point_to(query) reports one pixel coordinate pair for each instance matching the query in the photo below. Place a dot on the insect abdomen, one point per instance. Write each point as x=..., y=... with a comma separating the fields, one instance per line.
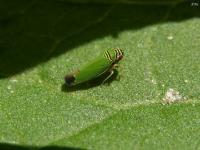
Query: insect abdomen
x=92, y=70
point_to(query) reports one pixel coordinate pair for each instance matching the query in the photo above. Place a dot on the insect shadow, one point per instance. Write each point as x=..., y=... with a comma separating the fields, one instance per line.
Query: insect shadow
x=92, y=83
x=7, y=146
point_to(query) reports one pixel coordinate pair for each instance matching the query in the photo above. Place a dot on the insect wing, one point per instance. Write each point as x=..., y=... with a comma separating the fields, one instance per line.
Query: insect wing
x=93, y=69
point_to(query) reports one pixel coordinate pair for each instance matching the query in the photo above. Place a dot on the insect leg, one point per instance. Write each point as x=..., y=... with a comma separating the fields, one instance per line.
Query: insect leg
x=120, y=68
x=111, y=73
x=115, y=66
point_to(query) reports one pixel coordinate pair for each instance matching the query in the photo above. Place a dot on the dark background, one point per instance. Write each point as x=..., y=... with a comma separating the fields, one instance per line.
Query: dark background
x=32, y=32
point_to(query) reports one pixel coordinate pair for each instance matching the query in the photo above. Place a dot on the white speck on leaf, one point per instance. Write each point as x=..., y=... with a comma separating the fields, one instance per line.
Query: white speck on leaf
x=172, y=96
x=153, y=81
x=140, y=45
x=40, y=81
x=9, y=87
x=170, y=37
x=11, y=91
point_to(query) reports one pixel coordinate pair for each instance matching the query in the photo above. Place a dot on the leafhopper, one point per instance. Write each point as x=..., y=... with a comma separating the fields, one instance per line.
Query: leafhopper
x=105, y=63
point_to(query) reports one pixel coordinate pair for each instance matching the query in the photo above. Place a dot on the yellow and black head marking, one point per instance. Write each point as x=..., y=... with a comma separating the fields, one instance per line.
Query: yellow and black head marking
x=108, y=56
x=118, y=54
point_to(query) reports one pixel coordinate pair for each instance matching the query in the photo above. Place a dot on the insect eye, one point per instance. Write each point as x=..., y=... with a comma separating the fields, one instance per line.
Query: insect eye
x=120, y=56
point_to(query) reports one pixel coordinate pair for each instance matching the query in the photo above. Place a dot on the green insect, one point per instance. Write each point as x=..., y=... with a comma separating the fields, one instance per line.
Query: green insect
x=104, y=63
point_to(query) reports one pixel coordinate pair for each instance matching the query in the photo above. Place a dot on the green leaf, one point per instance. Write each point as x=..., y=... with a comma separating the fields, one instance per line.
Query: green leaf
x=41, y=41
